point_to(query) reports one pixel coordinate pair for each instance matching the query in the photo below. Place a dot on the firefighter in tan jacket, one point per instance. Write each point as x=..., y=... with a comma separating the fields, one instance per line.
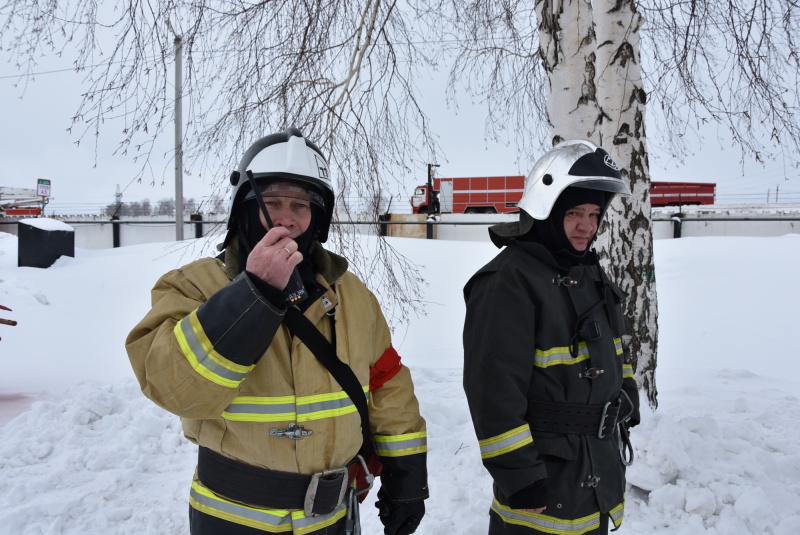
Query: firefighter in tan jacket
x=279, y=438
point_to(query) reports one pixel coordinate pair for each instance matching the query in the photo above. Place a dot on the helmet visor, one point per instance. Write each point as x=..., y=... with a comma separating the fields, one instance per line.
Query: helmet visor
x=288, y=189
x=612, y=185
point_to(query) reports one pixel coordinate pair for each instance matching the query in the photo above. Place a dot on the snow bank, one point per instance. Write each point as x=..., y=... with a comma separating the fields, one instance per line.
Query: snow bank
x=721, y=455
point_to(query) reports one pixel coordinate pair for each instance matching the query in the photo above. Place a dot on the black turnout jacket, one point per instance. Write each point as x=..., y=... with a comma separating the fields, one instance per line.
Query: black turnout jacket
x=536, y=331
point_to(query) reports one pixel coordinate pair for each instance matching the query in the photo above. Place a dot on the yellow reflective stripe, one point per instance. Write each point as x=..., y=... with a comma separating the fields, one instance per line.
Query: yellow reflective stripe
x=617, y=514
x=560, y=355
x=322, y=406
x=290, y=408
x=202, y=357
x=400, y=445
x=618, y=345
x=508, y=441
x=261, y=409
x=546, y=523
x=627, y=371
x=270, y=520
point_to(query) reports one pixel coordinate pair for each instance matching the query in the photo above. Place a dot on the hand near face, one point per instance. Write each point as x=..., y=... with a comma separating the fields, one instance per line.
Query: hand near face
x=274, y=258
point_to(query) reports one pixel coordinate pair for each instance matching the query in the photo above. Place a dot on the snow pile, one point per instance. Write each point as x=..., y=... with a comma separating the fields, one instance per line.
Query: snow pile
x=721, y=455
x=95, y=458
x=46, y=223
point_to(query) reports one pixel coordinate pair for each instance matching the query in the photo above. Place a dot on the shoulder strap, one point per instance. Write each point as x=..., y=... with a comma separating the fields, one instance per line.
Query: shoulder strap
x=325, y=352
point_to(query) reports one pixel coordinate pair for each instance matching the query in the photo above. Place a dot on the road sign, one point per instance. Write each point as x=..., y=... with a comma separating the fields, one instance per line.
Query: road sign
x=43, y=187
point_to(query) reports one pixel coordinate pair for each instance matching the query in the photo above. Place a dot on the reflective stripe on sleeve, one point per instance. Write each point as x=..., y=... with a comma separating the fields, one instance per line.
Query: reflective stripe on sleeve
x=561, y=355
x=269, y=520
x=400, y=445
x=200, y=352
x=508, y=441
x=547, y=523
x=290, y=408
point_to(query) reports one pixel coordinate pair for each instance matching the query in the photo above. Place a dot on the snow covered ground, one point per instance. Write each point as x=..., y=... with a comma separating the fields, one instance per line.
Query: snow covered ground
x=82, y=451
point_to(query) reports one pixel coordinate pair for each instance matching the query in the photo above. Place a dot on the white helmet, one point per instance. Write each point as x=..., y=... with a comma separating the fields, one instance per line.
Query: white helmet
x=577, y=163
x=288, y=157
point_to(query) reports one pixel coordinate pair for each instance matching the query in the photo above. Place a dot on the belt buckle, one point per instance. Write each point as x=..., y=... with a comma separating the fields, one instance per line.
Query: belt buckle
x=311, y=493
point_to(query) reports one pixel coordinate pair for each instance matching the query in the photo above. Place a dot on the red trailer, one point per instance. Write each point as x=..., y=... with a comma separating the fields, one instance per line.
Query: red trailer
x=470, y=195
x=501, y=194
x=682, y=193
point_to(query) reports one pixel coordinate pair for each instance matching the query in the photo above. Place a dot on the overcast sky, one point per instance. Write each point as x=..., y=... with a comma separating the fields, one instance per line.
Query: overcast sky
x=35, y=144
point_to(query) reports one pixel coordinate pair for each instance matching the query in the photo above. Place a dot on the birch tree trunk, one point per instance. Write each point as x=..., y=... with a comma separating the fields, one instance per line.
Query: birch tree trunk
x=567, y=48
x=590, y=52
x=626, y=239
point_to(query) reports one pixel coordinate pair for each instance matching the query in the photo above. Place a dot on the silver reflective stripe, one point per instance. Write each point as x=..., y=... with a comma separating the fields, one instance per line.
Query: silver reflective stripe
x=228, y=509
x=627, y=371
x=198, y=356
x=306, y=410
x=399, y=445
x=278, y=411
x=560, y=355
x=546, y=523
x=618, y=345
x=508, y=441
x=306, y=524
x=290, y=408
x=617, y=514
x=270, y=520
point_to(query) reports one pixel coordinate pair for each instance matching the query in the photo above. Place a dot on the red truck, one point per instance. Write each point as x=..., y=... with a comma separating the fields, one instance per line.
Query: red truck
x=500, y=194
x=470, y=195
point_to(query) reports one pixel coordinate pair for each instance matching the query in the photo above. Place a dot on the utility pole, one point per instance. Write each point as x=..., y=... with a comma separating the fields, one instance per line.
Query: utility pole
x=178, y=134
x=431, y=218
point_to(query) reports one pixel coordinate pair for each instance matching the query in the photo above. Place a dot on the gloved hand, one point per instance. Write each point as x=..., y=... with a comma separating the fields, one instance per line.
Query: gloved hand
x=531, y=498
x=399, y=518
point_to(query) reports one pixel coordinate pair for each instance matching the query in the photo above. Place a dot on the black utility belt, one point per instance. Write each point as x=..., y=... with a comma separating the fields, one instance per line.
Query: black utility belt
x=578, y=419
x=315, y=494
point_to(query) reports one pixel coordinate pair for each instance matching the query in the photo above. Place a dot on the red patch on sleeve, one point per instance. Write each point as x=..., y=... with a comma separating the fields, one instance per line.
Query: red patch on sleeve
x=384, y=369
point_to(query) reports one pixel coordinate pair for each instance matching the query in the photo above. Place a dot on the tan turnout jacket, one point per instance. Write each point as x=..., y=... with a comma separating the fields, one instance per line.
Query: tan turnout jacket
x=213, y=351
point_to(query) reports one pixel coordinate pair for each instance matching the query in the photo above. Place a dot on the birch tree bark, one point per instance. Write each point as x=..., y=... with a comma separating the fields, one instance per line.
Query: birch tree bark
x=567, y=48
x=626, y=239
x=590, y=51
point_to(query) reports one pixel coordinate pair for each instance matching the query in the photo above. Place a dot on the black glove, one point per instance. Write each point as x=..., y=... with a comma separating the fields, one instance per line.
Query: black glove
x=399, y=518
x=531, y=497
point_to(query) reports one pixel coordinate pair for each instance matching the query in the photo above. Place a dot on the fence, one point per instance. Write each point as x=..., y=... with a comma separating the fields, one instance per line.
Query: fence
x=96, y=233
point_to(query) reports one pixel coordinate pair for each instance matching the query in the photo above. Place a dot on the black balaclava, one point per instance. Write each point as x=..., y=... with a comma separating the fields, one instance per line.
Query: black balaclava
x=550, y=232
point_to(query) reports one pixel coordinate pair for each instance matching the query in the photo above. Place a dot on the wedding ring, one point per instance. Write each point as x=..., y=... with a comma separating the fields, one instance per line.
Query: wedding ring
x=287, y=251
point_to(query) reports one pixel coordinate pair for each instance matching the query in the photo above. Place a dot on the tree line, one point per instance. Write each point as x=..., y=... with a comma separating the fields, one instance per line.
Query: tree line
x=165, y=207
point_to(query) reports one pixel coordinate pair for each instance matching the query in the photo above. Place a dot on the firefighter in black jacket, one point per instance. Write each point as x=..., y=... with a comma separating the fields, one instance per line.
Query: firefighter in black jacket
x=549, y=382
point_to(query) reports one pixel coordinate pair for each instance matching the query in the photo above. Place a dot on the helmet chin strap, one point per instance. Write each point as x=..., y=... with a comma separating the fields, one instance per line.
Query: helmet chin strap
x=296, y=290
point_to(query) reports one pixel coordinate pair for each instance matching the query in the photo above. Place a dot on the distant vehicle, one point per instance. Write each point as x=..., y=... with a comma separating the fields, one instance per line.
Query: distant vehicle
x=470, y=195
x=682, y=193
x=19, y=202
x=501, y=195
